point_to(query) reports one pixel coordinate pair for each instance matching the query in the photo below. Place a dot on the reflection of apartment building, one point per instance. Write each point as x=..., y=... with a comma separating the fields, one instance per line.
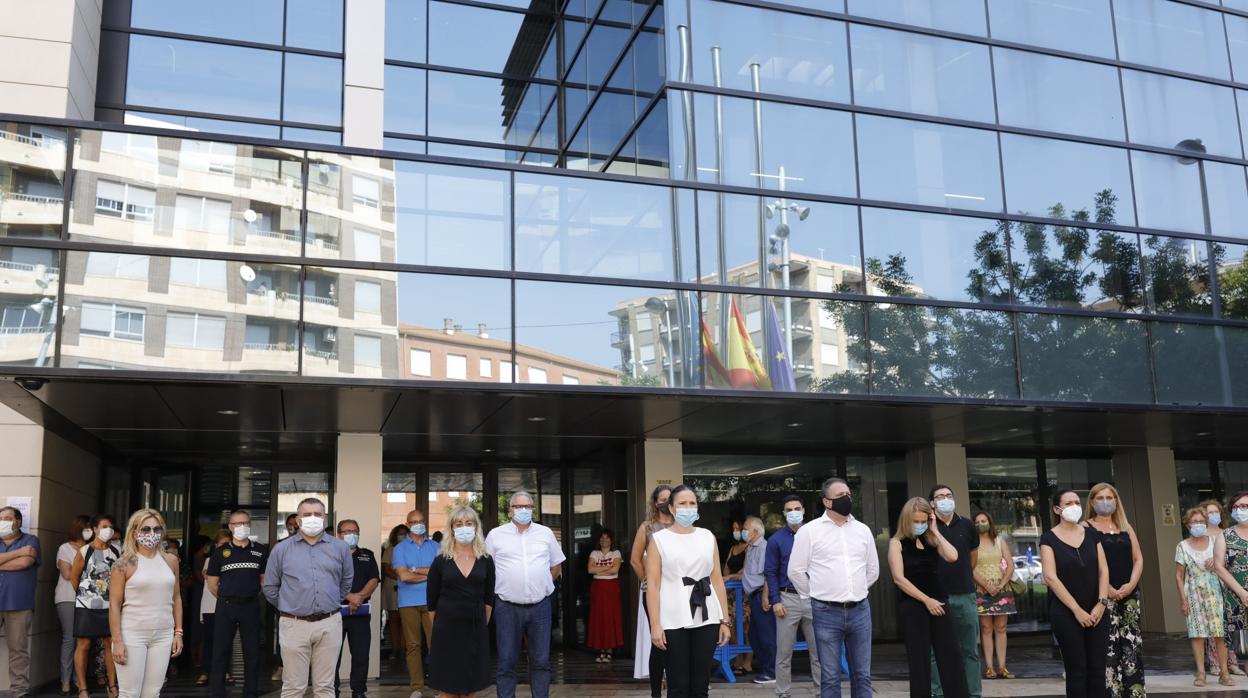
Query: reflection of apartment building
x=653, y=330
x=450, y=353
x=196, y=314
x=32, y=165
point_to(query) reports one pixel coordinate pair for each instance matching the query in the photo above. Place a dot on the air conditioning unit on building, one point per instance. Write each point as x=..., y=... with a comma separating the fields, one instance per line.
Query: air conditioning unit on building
x=329, y=334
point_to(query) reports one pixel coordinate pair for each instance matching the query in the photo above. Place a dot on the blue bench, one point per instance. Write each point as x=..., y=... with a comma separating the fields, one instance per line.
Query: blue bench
x=724, y=655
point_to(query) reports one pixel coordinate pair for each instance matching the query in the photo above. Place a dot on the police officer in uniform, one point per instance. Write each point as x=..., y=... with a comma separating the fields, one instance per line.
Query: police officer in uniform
x=235, y=572
x=356, y=611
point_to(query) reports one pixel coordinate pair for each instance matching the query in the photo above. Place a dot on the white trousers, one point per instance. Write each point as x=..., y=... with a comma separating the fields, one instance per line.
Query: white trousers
x=147, y=660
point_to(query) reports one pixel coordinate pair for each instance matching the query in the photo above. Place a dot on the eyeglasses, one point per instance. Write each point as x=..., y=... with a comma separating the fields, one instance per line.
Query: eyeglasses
x=939, y=497
x=152, y=529
x=522, y=506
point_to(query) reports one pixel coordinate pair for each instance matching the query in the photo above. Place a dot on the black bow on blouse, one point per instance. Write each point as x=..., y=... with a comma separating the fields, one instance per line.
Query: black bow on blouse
x=697, y=596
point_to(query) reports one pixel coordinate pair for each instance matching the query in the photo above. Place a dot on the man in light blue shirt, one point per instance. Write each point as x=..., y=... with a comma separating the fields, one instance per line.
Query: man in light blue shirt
x=411, y=560
x=762, y=623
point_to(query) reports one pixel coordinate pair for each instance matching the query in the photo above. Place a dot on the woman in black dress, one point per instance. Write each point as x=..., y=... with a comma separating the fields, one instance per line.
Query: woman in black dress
x=914, y=553
x=1078, y=579
x=461, y=599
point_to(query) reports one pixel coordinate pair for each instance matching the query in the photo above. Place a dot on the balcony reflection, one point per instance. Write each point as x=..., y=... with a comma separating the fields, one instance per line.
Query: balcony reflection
x=28, y=305
x=32, y=173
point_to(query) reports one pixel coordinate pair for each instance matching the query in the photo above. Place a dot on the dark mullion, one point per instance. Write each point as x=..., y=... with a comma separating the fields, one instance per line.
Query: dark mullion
x=280, y=48
x=233, y=118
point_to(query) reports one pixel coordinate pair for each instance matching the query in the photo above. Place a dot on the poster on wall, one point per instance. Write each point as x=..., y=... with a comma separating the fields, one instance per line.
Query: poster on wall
x=23, y=504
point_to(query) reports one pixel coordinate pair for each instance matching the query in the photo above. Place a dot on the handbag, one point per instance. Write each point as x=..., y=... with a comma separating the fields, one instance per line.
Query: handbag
x=1013, y=585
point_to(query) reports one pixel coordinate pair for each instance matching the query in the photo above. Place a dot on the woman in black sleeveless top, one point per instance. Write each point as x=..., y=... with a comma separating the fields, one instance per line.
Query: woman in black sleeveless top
x=914, y=553
x=1078, y=579
x=1124, y=660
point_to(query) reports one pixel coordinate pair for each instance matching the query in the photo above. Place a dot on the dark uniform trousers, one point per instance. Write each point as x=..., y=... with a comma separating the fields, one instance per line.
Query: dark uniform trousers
x=358, y=632
x=242, y=613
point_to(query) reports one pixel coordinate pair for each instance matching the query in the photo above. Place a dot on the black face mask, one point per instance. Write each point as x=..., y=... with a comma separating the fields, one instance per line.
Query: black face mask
x=842, y=505
x=664, y=507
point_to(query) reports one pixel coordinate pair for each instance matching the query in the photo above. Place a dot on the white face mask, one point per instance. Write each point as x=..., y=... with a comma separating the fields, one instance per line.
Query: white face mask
x=241, y=532
x=1073, y=513
x=7, y=528
x=87, y=534
x=312, y=525
x=106, y=534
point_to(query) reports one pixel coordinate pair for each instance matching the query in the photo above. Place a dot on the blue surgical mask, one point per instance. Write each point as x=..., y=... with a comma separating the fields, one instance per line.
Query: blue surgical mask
x=465, y=534
x=945, y=506
x=1105, y=508
x=351, y=539
x=523, y=516
x=686, y=516
x=1198, y=530
x=1215, y=518
x=1240, y=514
x=919, y=529
x=418, y=529
x=738, y=535
x=795, y=517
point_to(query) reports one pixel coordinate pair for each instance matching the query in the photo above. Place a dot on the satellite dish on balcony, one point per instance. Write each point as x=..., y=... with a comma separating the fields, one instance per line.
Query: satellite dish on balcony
x=249, y=215
x=247, y=273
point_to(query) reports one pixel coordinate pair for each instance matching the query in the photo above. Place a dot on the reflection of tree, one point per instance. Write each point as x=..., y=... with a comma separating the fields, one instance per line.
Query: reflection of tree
x=945, y=351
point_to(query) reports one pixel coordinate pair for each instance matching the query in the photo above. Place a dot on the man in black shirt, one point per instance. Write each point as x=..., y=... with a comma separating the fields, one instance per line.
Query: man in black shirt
x=959, y=583
x=235, y=572
x=356, y=616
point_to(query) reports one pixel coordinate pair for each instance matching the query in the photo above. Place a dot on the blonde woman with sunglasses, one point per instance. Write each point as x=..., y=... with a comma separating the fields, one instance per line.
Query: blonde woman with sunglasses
x=145, y=608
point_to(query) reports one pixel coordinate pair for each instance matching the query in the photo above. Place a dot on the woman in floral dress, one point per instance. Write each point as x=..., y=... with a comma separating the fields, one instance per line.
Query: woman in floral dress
x=1200, y=594
x=994, y=599
x=1231, y=560
x=1124, y=666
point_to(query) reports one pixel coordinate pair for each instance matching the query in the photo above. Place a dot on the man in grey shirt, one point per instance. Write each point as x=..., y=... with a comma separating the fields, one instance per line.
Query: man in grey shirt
x=306, y=579
x=762, y=623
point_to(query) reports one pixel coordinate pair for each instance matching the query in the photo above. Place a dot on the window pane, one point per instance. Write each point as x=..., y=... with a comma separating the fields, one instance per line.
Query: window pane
x=932, y=164
x=922, y=74
x=367, y=350
x=950, y=352
x=1079, y=26
x=799, y=56
x=1058, y=94
x=1068, y=267
x=1176, y=271
x=1162, y=111
x=405, y=100
x=593, y=228
x=608, y=335
x=455, y=33
x=313, y=90
x=454, y=315
x=933, y=256
x=1191, y=362
x=452, y=216
x=243, y=20
x=1061, y=179
x=350, y=207
x=1172, y=35
x=314, y=24
x=485, y=109
x=821, y=164
x=965, y=16
x=405, y=31
x=1237, y=38
x=31, y=180
x=421, y=362
x=194, y=123
x=1077, y=358
x=1168, y=194
x=1232, y=279
x=367, y=297
x=202, y=77
x=28, y=305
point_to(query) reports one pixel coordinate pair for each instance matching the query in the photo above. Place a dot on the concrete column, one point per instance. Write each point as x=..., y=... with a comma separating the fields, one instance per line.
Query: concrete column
x=943, y=464
x=1145, y=479
x=61, y=480
x=357, y=495
x=51, y=52
x=363, y=93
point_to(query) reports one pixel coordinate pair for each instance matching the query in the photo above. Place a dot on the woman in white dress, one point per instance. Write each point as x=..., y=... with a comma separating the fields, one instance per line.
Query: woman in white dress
x=686, y=598
x=647, y=660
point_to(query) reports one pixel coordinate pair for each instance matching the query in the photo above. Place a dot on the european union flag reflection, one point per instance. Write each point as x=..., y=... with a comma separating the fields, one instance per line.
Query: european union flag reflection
x=779, y=363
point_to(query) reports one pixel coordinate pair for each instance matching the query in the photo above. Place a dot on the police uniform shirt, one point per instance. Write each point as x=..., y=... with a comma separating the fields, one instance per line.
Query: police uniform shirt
x=365, y=564
x=238, y=568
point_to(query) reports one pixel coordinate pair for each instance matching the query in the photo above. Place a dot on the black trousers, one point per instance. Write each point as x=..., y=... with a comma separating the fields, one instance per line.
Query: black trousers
x=1084, y=652
x=689, y=657
x=358, y=632
x=205, y=654
x=927, y=635
x=243, y=616
x=658, y=659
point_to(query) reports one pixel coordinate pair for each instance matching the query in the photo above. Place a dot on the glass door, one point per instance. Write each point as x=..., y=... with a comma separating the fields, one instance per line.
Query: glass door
x=588, y=517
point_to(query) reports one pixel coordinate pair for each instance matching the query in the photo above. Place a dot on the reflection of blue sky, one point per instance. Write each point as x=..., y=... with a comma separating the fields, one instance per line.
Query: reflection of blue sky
x=1041, y=173
x=452, y=216
x=923, y=74
x=931, y=164
x=939, y=250
x=202, y=77
x=1078, y=26
x=963, y=16
x=574, y=319
x=245, y=20
x=426, y=299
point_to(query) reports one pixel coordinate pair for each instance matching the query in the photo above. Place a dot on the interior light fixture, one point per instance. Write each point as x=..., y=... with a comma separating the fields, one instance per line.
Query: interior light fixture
x=228, y=413
x=537, y=419
x=793, y=425
x=968, y=197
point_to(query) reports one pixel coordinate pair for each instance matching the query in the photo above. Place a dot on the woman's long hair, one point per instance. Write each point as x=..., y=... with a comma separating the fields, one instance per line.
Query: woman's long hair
x=130, y=547
x=905, y=520
x=397, y=534
x=652, y=510
x=448, y=538
x=1119, y=516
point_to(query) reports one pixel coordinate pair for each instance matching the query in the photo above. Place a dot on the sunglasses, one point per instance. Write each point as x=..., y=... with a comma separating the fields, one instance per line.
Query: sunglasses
x=152, y=529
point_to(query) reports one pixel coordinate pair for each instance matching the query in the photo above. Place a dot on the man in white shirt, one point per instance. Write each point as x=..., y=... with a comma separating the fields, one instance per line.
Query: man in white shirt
x=527, y=560
x=835, y=562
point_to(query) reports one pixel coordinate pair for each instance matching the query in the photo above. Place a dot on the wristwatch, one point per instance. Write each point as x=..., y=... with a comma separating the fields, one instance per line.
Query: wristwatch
x=1105, y=602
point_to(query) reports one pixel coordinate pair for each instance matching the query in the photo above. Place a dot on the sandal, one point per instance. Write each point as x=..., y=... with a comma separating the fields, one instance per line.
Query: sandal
x=1237, y=671
x=1225, y=679
x=84, y=693
x=1200, y=679
x=1005, y=673
x=202, y=680
x=112, y=691
x=990, y=674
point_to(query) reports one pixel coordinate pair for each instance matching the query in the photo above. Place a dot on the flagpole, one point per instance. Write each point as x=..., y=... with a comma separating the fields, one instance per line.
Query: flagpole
x=763, y=273
x=691, y=171
x=784, y=271
x=720, y=241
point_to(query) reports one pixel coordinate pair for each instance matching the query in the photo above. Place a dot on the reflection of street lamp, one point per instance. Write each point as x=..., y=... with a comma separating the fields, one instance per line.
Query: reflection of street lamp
x=659, y=307
x=1194, y=145
x=42, y=306
x=780, y=239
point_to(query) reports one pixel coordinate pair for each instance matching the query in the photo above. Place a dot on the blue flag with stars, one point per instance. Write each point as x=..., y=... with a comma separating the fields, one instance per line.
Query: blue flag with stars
x=779, y=364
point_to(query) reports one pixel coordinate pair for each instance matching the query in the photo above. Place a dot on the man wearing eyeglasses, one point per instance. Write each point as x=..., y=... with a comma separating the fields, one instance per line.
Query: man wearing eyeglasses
x=306, y=579
x=527, y=560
